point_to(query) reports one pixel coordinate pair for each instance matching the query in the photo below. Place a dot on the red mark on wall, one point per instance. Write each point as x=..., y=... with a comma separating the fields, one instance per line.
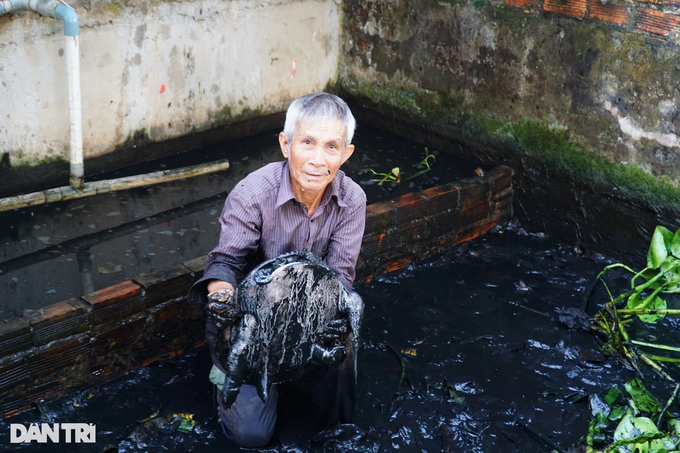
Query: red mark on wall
x=292, y=72
x=162, y=89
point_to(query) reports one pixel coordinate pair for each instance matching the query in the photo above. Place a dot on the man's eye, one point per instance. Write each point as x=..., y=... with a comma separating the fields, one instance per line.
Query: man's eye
x=307, y=142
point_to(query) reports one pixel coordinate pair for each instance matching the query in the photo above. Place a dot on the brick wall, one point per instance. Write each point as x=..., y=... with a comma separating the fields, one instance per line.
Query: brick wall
x=83, y=341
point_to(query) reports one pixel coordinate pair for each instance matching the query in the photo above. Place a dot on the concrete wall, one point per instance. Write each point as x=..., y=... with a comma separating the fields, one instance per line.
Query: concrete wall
x=579, y=92
x=154, y=70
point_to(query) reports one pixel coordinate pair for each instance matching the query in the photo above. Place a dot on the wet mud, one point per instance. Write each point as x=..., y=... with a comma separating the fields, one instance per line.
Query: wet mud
x=477, y=349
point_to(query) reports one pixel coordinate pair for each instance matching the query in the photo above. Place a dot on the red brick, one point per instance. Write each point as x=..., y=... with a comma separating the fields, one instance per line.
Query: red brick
x=576, y=8
x=501, y=178
x=13, y=372
x=475, y=214
x=520, y=3
x=472, y=191
x=25, y=401
x=115, y=302
x=442, y=198
x=443, y=223
x=475, y=231
x=58, y=321
x=15, y=336
x=409, y=207
x=58, y=357
x=197, y=266
x=656, y=22
x=378, y=217
x=169, y=284
x=607, y=12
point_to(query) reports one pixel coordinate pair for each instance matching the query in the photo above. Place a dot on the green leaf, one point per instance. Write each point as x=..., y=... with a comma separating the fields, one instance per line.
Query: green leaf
x=638, y=427
x=611, y=395
x=617, y=413
x=671, y=269
x=675, y=244
x=644, y=401
x=658, y=249
x=658, y=304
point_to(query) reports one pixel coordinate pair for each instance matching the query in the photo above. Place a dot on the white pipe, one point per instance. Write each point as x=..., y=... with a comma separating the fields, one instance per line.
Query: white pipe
x=60, y=10
x=77, y=178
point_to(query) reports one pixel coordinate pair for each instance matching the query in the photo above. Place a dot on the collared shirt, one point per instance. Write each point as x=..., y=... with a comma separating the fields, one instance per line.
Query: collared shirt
x=262, y=212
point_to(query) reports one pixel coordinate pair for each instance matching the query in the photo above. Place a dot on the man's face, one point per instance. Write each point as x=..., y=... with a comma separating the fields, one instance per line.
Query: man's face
x=314, y=155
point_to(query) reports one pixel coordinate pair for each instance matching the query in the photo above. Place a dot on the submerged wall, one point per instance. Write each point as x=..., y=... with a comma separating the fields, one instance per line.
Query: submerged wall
x=155, y=70
x=580, y=97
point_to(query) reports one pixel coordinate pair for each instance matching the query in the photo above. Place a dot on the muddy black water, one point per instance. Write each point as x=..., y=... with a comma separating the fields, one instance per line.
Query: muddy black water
x=463, y=352
x=54, y=252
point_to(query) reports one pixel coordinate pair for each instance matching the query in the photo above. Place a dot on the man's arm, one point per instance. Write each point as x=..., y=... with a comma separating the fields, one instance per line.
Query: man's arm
x=239, y=237
x=345, y=243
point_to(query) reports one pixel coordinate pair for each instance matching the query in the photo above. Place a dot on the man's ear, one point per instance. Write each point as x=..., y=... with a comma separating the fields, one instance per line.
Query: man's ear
x=283, y=142
x=348, y=153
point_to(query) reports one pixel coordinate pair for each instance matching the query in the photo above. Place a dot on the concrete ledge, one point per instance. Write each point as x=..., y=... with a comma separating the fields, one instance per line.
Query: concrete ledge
x=81, y=342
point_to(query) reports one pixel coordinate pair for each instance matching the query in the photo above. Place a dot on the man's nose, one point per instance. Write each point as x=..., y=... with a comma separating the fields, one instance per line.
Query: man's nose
x=316, y=157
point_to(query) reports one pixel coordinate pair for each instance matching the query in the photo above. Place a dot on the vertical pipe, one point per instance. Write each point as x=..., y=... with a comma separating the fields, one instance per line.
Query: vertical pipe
x=77, y=178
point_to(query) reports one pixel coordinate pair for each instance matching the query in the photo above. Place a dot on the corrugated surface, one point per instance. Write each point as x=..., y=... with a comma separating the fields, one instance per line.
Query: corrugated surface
x=656, y=22
x=607, y=12
x=576, y=8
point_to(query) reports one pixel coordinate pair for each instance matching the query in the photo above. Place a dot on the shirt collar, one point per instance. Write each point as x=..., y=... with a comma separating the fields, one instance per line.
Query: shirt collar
x=286, y=190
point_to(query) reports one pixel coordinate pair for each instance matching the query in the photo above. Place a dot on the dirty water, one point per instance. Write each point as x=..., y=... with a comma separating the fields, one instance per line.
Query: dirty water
x=464, y=352
x=55, y=252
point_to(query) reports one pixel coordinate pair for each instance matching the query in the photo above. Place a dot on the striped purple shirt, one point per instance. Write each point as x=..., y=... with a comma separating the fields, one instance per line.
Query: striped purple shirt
x=262, y=212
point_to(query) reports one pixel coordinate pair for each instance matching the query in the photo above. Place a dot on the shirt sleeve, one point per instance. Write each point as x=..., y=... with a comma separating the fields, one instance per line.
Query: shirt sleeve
x=240, y=232
x=345, y=242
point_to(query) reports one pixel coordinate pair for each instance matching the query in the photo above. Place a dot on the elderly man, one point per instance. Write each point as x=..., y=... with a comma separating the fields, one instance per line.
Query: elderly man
x=305, y=203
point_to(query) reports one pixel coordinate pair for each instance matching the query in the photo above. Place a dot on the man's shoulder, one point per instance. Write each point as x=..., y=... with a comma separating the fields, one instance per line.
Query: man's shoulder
x=261, y=181
x=349, y=192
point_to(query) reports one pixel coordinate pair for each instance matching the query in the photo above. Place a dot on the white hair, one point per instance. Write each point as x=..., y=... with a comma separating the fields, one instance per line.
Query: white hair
x=316, y=107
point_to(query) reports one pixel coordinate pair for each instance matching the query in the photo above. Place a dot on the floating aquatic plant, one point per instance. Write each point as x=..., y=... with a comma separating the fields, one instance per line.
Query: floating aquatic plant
x=644, y=301
x=394, y=176
x=636, y=431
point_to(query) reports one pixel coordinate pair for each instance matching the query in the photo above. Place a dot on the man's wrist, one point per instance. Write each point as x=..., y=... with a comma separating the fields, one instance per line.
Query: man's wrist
x=216, y=285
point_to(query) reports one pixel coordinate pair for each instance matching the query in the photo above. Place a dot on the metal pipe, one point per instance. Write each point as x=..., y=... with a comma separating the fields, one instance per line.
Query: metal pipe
x=59, y=10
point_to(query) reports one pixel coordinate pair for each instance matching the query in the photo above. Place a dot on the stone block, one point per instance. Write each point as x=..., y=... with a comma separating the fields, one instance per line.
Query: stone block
x=443, y=223
x=58, y=320
x=115, y=302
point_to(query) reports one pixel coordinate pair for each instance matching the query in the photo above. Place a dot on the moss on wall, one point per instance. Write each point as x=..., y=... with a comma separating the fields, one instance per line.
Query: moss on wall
x=540, y=141
x=593, y=100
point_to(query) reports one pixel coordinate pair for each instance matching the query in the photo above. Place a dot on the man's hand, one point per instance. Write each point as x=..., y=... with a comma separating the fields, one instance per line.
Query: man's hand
x=334, y=332
x=221, y=305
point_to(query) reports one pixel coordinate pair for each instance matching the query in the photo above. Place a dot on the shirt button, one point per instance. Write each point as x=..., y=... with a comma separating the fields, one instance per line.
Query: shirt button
x=312, y=220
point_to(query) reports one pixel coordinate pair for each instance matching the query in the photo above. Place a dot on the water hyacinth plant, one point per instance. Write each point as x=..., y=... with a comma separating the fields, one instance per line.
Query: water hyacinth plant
x=644, y=425
x=644, y=301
